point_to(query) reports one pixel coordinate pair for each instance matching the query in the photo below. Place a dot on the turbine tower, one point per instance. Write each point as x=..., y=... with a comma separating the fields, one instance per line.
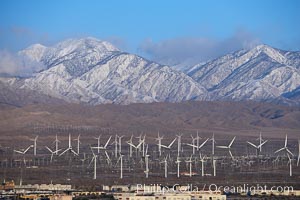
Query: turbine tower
x=56, y=141
x=179, y=136
x=213, y=141
x=130, y=146
x=178, y=167
x=166, y=166
x=159, y=138
x=120, y=143
x=190, y=165
x=95, y=164
x=147, y=165
x=98, y=142
x=78, y=144
x=202, y=160
x=290, y=164
x=34, y=144
x=214, y=167
x=121, y=165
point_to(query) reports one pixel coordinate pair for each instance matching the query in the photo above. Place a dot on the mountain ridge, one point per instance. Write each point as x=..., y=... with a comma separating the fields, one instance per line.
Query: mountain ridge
x=93, y=71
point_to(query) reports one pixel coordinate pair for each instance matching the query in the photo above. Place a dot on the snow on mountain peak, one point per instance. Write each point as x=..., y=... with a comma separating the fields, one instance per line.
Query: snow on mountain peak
x=83, y=44
x=262, y=73
x=271, y=52
x=94, y=71
x=34, y=52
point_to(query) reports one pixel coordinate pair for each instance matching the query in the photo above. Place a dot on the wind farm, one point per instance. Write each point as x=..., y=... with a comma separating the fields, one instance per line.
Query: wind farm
x=151, y=158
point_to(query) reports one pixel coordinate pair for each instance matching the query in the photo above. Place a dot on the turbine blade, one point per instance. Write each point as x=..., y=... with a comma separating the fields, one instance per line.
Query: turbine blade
x=107, y=142
x=191, y=145
x=279, y=150
x=253, y=145
x=74, y=152
x=285, y=142
x=27, y=149
x=132, y=145
x=172, y=143
x=222, y=147
x=64, y=152
x=263, y=143
x=231, y=154
x=49, y=149
x=203, y=143
x=107, y=156
x=18, y=151
x=289, y=151
x=232, y=141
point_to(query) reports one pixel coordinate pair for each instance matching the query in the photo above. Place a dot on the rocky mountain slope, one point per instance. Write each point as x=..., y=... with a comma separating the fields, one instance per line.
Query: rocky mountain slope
x=95, y=72
x=262, y=74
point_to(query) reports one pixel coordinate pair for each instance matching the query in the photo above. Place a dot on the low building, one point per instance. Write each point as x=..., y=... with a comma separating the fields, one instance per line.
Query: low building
x=60, y=197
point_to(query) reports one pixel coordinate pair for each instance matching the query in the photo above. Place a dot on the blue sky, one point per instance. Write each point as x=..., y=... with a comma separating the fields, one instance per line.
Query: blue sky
x=155, y=27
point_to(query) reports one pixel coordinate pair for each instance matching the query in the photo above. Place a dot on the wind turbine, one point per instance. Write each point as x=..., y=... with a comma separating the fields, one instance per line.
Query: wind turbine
x=143, y=145
x=193, y=144
x=159, y=138
x=56, y=141
x=116, y=146
x=261, y=141
x=98, y=142
x=200, y=146
x=78, y=144
x=69, y=148
x=170, y=145
x=137, y=146
x=228, y=147
x=198, y=139
x=130, y=146
x=103, y=147
x=140, y=139
x=285, y=147
x=52, y=152
x=179, y=136
x=34, y=144
x=23, y=152
x=213, y=141
x=95, y=164
x=120, y=143
x=178, y=166
x=259, y=146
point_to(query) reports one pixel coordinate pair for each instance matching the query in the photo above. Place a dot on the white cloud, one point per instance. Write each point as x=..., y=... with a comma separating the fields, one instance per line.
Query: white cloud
x=191, y=51
x=16, y=65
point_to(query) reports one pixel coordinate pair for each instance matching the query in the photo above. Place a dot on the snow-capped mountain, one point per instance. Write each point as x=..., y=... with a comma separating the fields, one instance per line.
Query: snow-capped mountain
x=93, y=71
x=262, y=73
